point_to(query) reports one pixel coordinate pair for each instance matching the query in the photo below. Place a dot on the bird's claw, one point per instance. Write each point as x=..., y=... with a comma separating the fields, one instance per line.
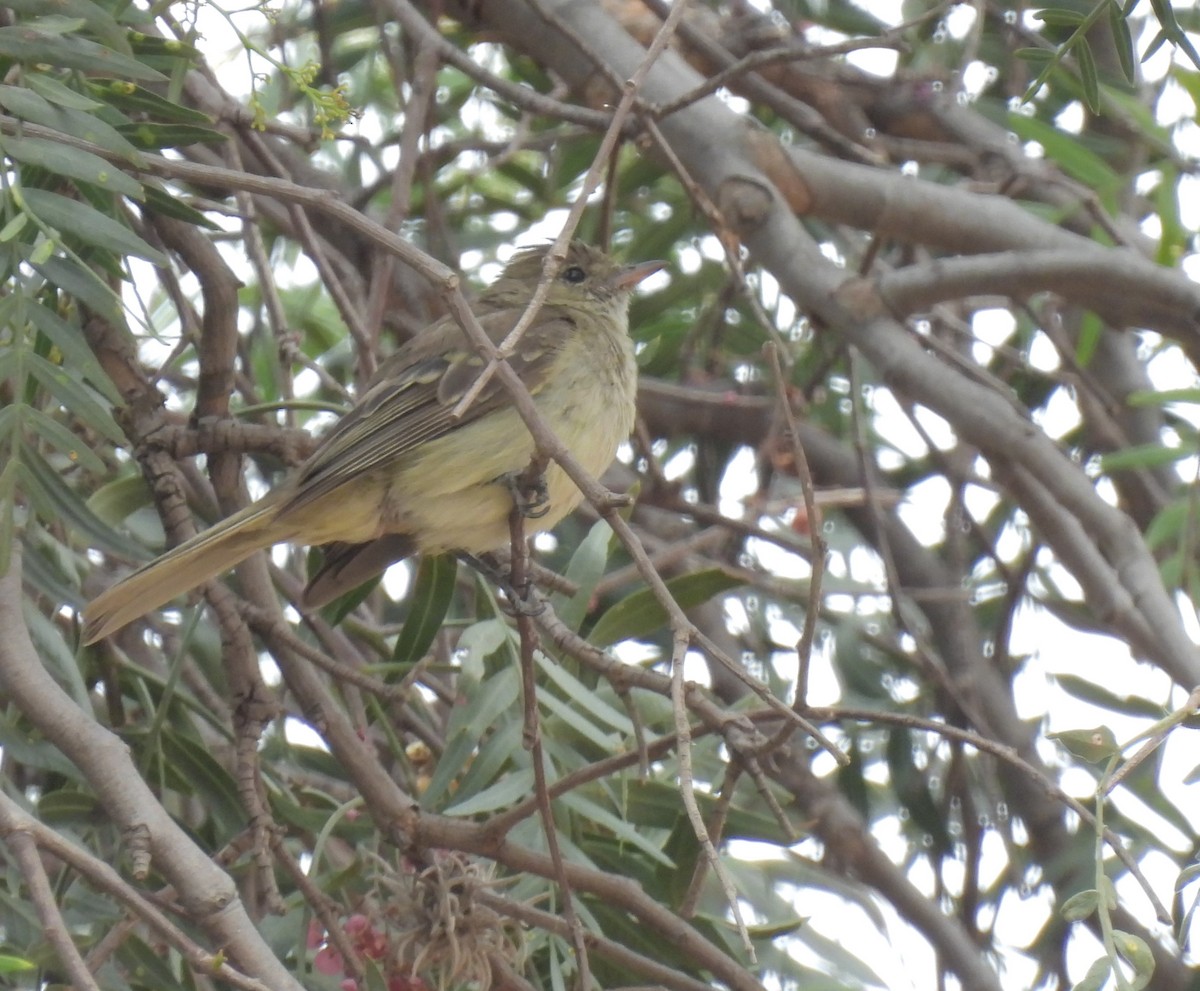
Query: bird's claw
x=531, y=496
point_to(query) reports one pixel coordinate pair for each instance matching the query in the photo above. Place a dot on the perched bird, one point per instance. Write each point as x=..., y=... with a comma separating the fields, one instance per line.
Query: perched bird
x=399, y=474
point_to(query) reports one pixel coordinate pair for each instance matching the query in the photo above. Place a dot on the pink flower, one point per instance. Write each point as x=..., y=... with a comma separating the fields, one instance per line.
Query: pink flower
x=328, y=961
x=368, y=940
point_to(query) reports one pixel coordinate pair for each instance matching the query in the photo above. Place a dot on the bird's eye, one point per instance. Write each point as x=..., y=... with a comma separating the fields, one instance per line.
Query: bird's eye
x=574, y=274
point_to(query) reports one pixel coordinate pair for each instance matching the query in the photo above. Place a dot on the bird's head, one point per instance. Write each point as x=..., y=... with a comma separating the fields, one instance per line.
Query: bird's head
x=587, y=278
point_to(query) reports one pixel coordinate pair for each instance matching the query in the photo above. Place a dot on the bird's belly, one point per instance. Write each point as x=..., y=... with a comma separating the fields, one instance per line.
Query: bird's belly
x=453, y=495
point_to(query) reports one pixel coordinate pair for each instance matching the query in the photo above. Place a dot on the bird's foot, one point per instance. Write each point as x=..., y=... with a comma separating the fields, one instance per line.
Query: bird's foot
x=521, y=601
x=530, y=493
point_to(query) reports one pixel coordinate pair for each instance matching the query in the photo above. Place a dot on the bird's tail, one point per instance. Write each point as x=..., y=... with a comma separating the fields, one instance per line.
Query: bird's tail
x=205, y=556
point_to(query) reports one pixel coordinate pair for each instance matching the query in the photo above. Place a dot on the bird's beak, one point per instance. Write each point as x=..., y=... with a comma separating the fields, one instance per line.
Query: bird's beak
x=631, y=275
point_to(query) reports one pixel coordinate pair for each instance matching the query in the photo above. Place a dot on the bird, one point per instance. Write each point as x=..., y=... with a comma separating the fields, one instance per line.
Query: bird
x=399, y=474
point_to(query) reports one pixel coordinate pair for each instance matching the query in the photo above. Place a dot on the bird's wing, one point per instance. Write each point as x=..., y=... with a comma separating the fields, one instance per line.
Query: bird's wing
x=346, y=566
x=414, y=392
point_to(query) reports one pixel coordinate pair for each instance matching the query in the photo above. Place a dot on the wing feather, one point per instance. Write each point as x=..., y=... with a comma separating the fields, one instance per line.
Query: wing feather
x=412, y=396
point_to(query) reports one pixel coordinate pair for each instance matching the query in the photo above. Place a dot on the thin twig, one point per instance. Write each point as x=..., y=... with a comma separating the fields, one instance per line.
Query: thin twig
x=522, y=601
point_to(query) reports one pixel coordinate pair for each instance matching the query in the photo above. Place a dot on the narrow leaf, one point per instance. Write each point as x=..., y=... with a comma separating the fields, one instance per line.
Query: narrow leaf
x=1067, y=150
x=75, y=352
x=57, y=500
x=151, y=136
x=1080, y=905
x=129, y=96
x=1096, y=976
x=1088, y=75
x=506, y=791
x=80, y=282
x=73, y=163
x=584, y=570
x=101, y=22
x=161, y=201
x=432, y=594
x=89, y=225
x=640, y=614
x=54, y=91
x=75, y=396
x=1060, y=17
x=1122, y=41
x=65, y=442
x=28, y=105
x=28, y=44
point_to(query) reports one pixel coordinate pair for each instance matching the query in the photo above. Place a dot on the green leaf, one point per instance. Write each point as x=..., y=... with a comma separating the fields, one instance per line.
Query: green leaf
x=151, y=136
x=116, y=501
x=129, y=96
x=581, y=696
x=1091, y=332
x=1100, y=695
x=52, y=90
x=1175, y=236
x=1187, y=876
x=1092, y=745
x=503, y=754
x=1067, y=150
x=65, y=442
x=75, y=352
x=73, y=163
x=1122, y=41
x=15, y=965
x=1137, y=954
x=13, y=227
x=32, y=749
x=56, y=25
x=513, y=787
x=69, y=806
x=28, y=105
x=28, y=44
x=1055, y=16
x=160, y=201
x=1162, y=397
x=639, y=613
x=486, y=704
x=60, y=499
x=568, y=714
x=168, y=54
x=481, y=640
x=1143, y=456
x=43, y=251
x=1159, y=39
x=206, y=778
x=785, y=927
x=73, y=217
x=626, y=832
x=82, y=283
x=75, y=397
x=1036, y=54
x=430, y=599
x=584, y=570
x=150, y=964
x=101, y=22
x=1088, y=75
x=1096, y=976
x=1080, y=905
x=57, y=657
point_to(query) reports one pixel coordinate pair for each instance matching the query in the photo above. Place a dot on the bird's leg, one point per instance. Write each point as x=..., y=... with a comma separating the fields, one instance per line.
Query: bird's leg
x=487, y=565
x=529, y=491
x=498, y=574
x=531, y=500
